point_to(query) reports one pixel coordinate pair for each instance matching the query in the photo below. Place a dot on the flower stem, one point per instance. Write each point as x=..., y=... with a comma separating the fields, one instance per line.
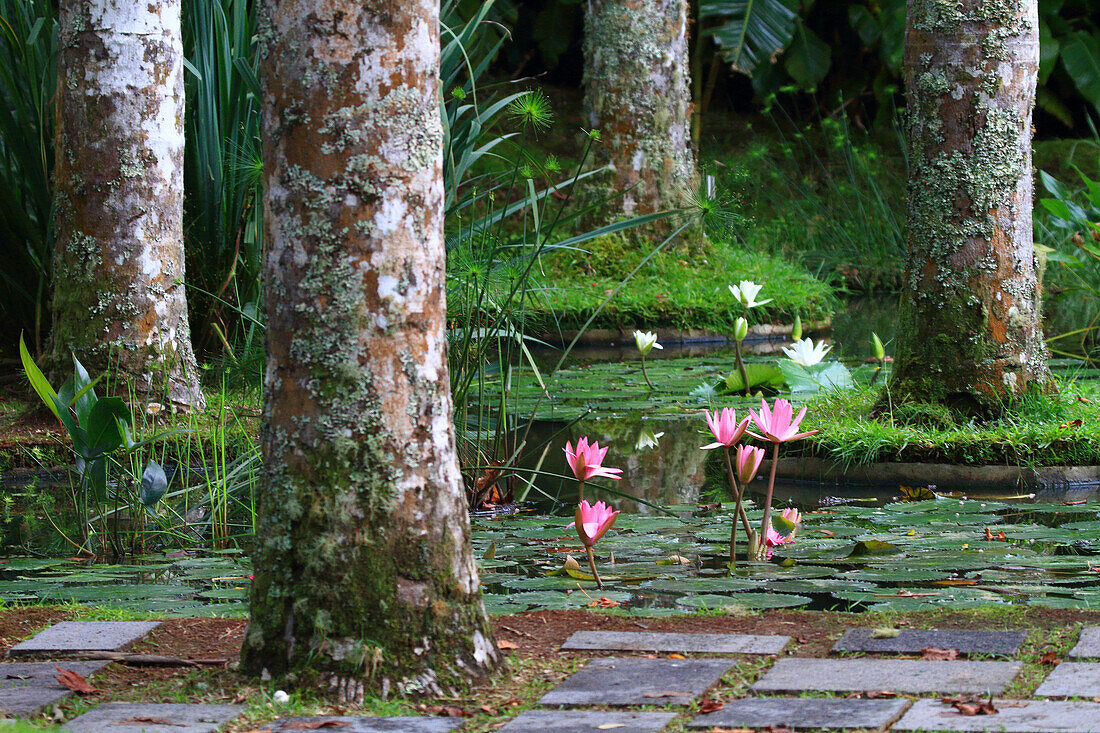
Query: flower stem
x=741, y=367
x=646, y=374
x=592, y=565
x=737, y=505
x=580, y=491
x=878, y=368
x=768, y=500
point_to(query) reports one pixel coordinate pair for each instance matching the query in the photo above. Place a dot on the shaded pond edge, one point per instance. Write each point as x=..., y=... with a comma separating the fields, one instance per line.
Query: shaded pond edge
x=945, y=476
x=614, y=336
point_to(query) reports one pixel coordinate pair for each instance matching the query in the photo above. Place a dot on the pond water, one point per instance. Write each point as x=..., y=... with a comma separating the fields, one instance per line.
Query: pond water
x=859, y=548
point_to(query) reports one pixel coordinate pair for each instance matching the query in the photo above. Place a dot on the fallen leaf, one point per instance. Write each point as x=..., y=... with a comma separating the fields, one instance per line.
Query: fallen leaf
x=884, y=632
x=707, y=705
x=313, y=724
x=971, y=705
x=828, y=533
x=488, y=710
x=932, y=654
x=1050, y=658
x=604, y=602
x=150, y=719
x=74, y=681
x=667, y=693
x=609, y=726
x=879, y=694
x=505, y=644
x=676, y=656
x=1070, y=424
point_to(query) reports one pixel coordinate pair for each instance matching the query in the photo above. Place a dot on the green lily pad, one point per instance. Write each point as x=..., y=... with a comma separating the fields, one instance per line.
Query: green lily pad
x=746, y=600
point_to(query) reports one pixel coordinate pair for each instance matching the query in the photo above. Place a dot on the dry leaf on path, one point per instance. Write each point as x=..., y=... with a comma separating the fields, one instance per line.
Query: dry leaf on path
x=609, y=726
x=505, y=644
x=676, y=656
x=667, y=693
x=74, y=681
x=1050, y=658
x=932, y=654
x=707, y=705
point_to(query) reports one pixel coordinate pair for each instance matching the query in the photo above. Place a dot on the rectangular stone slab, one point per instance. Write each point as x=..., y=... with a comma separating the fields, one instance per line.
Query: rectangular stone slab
x=1088, y=645
x=638, y=681
x=125, y=717
x=27, y=688
x=640, y=641
x=1024, y=716
x=587, y=721
x=804, y=713
x=73, y=637
x=910, y=641
x=800, y=674
x=1071, y=679
x=371, y=724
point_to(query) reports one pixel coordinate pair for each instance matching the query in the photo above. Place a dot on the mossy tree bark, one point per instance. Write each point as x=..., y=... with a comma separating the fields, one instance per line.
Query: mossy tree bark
x=364, y=574
x=118, y=295
x=638, y=95
x=971, y=333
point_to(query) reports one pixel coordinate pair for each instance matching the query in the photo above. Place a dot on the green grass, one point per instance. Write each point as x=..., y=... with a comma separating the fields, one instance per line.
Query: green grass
x=684, y=287
x=1039, y=432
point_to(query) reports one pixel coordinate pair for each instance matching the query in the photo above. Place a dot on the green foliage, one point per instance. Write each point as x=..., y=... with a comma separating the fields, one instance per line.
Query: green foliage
x=827, y=197
x=28, y=70
x=101, y=435
x=748, y=33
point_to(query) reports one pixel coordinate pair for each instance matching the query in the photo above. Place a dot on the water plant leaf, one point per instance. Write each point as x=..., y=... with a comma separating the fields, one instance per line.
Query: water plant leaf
x=866, y=548
x=744, y=600
x=760, y=375
x=154, y=483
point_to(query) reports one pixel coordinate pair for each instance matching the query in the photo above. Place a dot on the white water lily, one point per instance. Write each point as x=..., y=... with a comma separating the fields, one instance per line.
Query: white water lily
x=746, y=293
x=645, y=341
x=806, y=353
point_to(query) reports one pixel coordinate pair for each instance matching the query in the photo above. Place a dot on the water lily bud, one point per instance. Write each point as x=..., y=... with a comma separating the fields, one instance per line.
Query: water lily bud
x=796, y=329
x=876, y=345
x=740, y=329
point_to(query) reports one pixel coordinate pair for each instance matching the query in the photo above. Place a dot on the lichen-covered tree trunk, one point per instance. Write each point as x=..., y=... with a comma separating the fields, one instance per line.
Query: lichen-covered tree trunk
x=118, y=297
x=364, y=574
x=971, y=332
x=638, y=96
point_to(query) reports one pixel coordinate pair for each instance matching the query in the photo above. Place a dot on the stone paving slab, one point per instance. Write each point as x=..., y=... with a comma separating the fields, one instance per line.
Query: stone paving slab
x=371, y=724
x=638, y=681
x=1088, y=645
x=27, y=688
x=1013, y=716
x=1071, y=679
x=803, y=713
x=69, y=637
x=999, y=643
x=587, y=721
x=123, y=717
x=640, y=641
x=801, y=674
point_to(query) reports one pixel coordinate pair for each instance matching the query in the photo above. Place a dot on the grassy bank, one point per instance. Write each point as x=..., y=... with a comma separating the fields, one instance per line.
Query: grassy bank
x=1046, y=430
x=685, y=287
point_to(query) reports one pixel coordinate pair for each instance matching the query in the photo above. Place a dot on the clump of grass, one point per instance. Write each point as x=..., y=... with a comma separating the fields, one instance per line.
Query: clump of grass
x=1040, y=430
x=678, y=288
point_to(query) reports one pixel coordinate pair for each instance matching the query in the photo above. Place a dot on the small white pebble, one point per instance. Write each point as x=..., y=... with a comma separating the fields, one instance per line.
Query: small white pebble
x=280, y=697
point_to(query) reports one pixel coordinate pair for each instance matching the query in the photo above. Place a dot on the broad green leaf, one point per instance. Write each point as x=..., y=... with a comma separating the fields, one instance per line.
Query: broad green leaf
x=751, y=32
x=1081, y=58
x=37, y=379
x=153, y=484
x=104, y=435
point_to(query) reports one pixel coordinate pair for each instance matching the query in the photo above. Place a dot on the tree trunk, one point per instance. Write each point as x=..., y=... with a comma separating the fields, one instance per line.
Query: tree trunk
x=971, y=331
x=638, y=95
x=363, y=568
x=118, y=297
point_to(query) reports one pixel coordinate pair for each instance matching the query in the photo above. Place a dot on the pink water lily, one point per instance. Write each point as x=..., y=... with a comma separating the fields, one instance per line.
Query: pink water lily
x=587, y=460
x=725, y=427
x=592, y=521
x=748, y=462
x=776, y=423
